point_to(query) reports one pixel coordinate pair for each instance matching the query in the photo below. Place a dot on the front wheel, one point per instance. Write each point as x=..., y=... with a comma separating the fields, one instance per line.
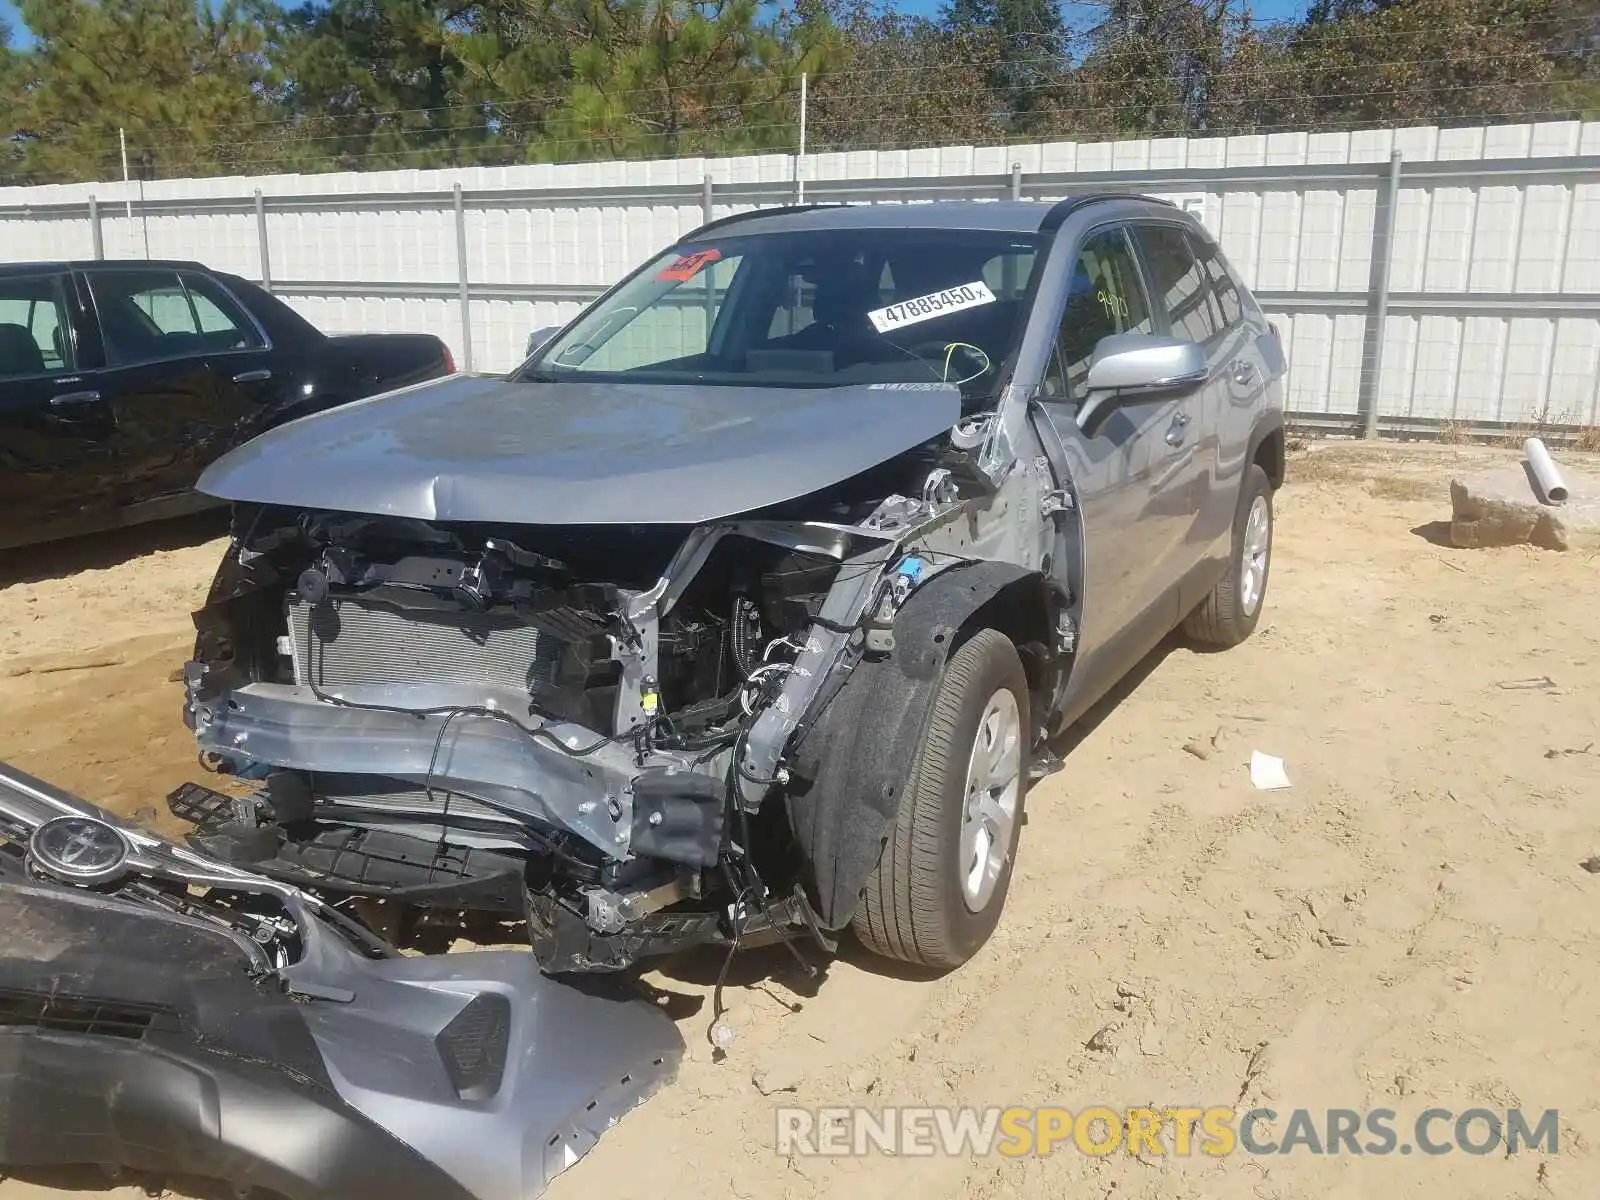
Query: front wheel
x=942, y=880
x=1230, y=613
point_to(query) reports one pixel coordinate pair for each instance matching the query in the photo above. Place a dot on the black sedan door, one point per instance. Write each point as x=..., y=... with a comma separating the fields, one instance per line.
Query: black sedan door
x=55, y=427
x=187, y=374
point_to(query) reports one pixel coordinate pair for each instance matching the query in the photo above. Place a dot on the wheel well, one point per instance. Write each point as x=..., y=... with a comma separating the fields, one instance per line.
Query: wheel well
x=1269, y=457
x=1022, y=610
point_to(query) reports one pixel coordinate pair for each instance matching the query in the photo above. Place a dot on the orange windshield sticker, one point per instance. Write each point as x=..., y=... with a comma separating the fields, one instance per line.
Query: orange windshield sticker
x=690, y=265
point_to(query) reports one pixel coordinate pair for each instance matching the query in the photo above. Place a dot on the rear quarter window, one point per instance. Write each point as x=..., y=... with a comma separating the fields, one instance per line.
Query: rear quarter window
x=1224, y=288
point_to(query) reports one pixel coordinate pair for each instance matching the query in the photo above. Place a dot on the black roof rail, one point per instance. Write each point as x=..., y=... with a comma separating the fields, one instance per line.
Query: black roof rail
x=781, y=210
x=1062, y=209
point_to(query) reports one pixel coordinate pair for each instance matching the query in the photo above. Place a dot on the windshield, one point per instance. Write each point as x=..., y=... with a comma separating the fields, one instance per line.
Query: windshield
x=812, y=308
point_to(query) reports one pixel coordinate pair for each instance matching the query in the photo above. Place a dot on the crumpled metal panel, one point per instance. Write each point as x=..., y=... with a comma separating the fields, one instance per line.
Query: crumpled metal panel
x=493, y=450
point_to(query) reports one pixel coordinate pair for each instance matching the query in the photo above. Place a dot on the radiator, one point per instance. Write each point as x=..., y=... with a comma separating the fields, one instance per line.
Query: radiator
x=345, y=642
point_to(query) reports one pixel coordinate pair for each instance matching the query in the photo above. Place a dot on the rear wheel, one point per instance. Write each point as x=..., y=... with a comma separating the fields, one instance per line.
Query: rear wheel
x=1231, y=612
x=942, y=881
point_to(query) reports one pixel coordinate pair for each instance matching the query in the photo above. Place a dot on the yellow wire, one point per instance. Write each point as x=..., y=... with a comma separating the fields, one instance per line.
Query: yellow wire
x=949, y=352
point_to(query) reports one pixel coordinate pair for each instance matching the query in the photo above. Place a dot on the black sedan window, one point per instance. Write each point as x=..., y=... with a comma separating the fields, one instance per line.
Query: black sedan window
x=148, y=316
x=33, y=328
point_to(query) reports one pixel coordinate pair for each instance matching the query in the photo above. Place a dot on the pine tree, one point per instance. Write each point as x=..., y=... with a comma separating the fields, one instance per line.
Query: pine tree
x=185, y=80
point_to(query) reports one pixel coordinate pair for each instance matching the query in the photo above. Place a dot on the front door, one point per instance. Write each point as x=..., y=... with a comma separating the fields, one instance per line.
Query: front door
x=1123, y=474
x=187, y=373
x=55, y=428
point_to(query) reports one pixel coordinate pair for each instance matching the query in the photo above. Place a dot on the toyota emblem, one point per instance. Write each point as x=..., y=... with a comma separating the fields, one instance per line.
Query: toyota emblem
x=79, y=849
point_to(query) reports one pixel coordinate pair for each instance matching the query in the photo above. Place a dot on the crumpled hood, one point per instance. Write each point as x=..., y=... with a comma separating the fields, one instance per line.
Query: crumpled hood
x=472, y=448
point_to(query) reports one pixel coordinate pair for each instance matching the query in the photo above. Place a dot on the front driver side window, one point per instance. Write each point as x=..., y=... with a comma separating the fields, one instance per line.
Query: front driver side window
x=1104, y=297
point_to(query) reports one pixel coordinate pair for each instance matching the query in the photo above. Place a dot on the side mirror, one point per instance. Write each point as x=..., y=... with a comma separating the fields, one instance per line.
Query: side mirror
x=1129, y=367
x=539, y=337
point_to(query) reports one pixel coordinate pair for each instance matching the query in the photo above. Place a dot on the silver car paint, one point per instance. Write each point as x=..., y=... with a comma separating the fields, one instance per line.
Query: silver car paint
x=579, y=1059
x=483, y=449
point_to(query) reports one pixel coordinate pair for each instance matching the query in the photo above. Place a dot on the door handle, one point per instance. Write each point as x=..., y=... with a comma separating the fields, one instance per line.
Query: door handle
x=74, y=399
x=1178, y=430
x=253, y=377
x=1244, y=371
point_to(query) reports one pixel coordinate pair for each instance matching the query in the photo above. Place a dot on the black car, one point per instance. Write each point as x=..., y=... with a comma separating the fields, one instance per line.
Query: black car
x=121, y=381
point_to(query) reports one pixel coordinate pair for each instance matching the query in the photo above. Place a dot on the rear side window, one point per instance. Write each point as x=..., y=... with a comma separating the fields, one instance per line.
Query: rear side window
x=1178, y=285
x=148, y=316
x=1224, y=288
x=33, y=328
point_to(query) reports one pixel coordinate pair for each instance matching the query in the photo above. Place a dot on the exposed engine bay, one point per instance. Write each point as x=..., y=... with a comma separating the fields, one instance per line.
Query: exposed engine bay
x=575, y=724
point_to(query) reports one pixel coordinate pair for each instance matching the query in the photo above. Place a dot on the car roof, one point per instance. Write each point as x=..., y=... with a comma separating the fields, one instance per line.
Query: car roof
x=49, y=268
x=1005, y=216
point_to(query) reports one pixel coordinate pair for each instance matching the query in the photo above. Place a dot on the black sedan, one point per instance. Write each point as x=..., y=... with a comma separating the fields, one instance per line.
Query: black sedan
x=121, y=381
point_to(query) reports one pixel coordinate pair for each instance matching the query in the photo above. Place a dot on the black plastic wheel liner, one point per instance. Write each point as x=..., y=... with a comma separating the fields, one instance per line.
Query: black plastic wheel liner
x=849, y=767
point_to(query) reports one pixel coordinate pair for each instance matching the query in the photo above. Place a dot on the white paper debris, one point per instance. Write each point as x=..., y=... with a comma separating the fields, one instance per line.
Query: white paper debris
x=1267, y=773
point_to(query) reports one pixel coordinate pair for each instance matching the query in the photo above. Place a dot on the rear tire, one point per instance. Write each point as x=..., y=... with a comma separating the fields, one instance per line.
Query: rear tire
x=941, y=883
x=1231, y=612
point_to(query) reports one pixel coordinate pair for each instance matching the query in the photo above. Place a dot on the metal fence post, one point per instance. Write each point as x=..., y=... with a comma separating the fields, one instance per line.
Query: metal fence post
x=705, y=200
x=261, y=238
x=1016, y=181
x=96, y=233
x=461, y=282
x=1383, y=226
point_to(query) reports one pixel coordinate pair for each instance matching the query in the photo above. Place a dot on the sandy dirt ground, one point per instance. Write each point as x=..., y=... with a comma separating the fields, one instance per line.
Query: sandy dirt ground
x=1408, y=926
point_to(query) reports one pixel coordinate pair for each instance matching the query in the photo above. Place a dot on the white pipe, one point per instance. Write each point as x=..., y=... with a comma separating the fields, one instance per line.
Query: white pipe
x=1545, y=475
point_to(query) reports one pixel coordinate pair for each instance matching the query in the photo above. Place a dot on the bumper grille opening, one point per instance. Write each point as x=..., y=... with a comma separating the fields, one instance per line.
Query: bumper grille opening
x=67, y=1014
x=474, y=1045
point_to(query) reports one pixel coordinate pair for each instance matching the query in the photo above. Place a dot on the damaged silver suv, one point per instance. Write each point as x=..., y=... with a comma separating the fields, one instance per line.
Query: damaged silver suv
x=750, y=603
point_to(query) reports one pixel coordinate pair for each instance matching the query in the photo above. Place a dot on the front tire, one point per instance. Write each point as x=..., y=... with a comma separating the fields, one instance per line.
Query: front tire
x=942, y=880
x=1231, y=612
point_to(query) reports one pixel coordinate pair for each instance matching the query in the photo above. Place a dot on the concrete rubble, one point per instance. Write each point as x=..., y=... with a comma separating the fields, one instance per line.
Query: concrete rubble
x=1502, y=506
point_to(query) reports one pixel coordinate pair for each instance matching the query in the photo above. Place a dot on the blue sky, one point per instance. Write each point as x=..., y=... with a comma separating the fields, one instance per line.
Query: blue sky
x=1265, y=10
x=9, y=15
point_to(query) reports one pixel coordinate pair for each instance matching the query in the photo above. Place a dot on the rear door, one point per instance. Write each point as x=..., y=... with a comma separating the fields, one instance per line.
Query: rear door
x=1183, y=494
x=1243, y=375
x=55, y=429
x=187, y=373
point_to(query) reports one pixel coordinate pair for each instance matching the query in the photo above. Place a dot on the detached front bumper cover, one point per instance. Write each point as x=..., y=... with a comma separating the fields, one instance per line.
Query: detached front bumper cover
x=135, y=1036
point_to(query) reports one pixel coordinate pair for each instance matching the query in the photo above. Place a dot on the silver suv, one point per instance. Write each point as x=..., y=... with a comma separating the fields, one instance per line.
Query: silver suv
x=749, y=605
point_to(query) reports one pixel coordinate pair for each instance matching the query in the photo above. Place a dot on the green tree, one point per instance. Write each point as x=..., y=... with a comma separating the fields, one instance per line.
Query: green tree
x=377, y=83
x=10, y=102
x=180, y=76
x=669, y=77
x=898, y=80
x=1155, y=67
x=1030, y=53
x=1422, y=60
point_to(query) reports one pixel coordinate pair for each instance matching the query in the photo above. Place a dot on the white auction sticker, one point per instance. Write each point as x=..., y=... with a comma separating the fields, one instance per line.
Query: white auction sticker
x=934, y=304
